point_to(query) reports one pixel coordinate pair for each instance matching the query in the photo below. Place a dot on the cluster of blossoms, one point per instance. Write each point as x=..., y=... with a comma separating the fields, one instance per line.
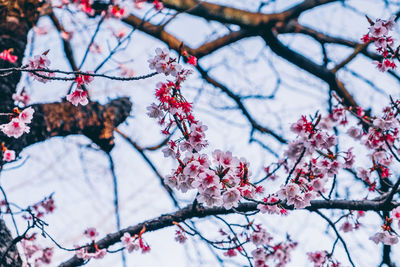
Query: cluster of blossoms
x=83, y=253
x=35, y=254
x=90, y=251
x=115, y=8
x=41, y=208
x=180, y=236
x=79, y=96
x=379, y=34
x=39, y=62
x=22, y=98
x=381, y=136
x=18, y=124
x=82, y=5
x=157, y=4
x=221, y=184
x=266, y=251
x=131, y=243
x=46, y=206
x=352, y=222
x=309, y=162
x=163, y=63
x=221, y=179
x=135, y=242
x=387, y=235
x=322, y=259
x=118, y=12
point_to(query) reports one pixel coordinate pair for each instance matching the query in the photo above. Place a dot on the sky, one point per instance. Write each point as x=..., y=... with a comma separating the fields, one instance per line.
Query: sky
x=78, y=174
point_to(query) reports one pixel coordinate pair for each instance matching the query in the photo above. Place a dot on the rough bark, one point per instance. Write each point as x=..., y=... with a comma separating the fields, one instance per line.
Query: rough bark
x=12, y=259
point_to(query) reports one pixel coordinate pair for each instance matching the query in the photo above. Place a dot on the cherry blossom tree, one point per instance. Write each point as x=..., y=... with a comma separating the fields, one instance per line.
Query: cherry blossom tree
x=282, y=121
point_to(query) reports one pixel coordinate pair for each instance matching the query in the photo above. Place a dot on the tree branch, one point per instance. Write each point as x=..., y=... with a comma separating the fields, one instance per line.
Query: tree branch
x=306, y=64
x=191, y=211
x=94, y=120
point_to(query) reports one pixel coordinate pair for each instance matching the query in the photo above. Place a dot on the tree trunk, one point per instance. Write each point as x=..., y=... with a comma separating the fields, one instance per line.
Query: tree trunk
x=11, y=258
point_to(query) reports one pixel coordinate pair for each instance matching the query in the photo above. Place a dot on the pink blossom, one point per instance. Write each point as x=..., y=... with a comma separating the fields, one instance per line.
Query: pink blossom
x=211, y=196
x=385, y=238
x=269, y=207
x=192, y=60
x=318, y=184
x=349, y=159
x=389, y=64
x=396, y=215
x=180, y=237
x=15, y=128
x=163, y=63
x=78, y=97
x=294, y=150
x=378, y=29
x=231, y=198
x=85, y=255
x=381, y=43
x=22, y=97
x=384, y=65
x=158, y=5
x=185, y=182
x=300, y=202
x=185, y=146
x=168, y=152
x=129, y=242
x=174, y=68
x=40, y=62
x=230, y=253
x=363, y=174
x=381, y=67
x=289, y=192
x=260, y=257
x=260, y=237
x=347, y=227
x=355, y=132
x=390, y=23
x=6, y=55
x=154, y=111
x=317, y=257
x=126, y=239
x=100, y=253
x=26, y=115
x=385, y=124
x=183, y=74
x=35, y=253
x=8, y=155
x=91, y=233
x=118, y=12
x=223, y=158
x=206, y=179
x=382, y=158
x=192, y=169
x=84, y=79
x=171, y=180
